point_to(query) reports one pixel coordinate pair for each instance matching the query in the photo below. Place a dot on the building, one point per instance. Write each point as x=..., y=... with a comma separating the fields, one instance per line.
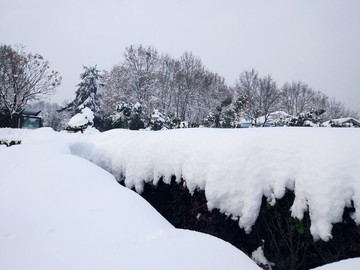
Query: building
x=342, y=122
x=28, y=119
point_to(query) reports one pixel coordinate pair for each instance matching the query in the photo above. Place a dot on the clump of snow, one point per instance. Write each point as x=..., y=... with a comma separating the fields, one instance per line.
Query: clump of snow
x=236, y=168
x=259, y=257
x=12, y=134
x=59, y=211
x=81, y=120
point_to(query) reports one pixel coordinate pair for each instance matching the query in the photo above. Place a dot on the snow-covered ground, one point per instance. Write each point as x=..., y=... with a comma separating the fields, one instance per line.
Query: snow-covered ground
x=349, y=264
x=60, y=211
x=50, y=196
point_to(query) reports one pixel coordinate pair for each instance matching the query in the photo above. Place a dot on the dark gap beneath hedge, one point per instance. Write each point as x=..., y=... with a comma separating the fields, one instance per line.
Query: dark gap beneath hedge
x=286, y=241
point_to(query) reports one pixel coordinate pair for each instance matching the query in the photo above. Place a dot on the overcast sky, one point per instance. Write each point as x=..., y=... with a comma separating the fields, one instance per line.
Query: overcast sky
x=314, y=41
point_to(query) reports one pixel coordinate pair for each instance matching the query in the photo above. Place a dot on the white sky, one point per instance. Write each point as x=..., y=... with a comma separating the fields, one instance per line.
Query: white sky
x=315, y=41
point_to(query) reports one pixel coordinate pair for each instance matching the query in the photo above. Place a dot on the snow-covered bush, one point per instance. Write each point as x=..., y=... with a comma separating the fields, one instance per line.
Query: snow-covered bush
x=310, y=119
x=81, y=121
x=126, y=116
x=160, y=121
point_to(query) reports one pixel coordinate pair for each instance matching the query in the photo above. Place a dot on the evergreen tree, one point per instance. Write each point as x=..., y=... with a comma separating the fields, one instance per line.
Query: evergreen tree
x=122, y=116
x=88, y=93
x=227, y=115
x=137, y=117
x=309, y=119
x=160, y=121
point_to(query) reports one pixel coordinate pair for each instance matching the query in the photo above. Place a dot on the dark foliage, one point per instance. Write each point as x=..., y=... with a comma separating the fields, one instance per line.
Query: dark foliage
x=287, y=241
x=9, y=143
x=5, y=119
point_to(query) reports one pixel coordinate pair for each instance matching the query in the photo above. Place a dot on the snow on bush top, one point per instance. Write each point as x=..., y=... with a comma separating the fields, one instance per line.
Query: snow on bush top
x=86, y=117
x=237, y=167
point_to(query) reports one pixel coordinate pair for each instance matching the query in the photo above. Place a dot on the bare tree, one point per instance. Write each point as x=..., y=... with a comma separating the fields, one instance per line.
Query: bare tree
x=262, y=94
x=319, y=101
x=23, y=78
x=189, y=81
x=141, y=65
x=248, y=85
x=115, y=88
x=268, y=97
x=169, y=68
x=296, y=98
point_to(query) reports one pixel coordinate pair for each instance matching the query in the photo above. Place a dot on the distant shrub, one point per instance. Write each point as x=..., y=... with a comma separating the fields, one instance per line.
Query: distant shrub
x=9, y=143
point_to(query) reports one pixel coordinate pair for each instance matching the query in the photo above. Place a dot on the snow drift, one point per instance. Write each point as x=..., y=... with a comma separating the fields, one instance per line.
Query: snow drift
x=59, y=211
x=237, y=167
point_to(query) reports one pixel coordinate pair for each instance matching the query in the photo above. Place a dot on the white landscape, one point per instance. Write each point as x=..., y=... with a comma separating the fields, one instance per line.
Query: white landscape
x=61, y=207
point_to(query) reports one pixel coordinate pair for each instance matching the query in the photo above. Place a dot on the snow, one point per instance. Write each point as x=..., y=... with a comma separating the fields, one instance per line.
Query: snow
x=341, y=121
x=259, y=257
x=349, y=264
x=237, y=167
x=274, y=118
x=57, y=208
x=85, y=117
x=60, y=211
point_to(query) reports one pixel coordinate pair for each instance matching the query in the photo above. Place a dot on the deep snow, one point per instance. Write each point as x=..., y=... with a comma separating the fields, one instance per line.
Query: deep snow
x=59, y=211
x=237, y=167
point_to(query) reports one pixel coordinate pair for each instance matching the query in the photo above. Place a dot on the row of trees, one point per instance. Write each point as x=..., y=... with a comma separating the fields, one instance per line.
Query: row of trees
x=180, y=88
x=149, y=89
x=184, y=90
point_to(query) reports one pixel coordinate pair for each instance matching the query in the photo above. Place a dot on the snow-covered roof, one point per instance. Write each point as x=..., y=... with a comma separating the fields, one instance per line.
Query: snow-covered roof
x=342, y=121
x=30, y=112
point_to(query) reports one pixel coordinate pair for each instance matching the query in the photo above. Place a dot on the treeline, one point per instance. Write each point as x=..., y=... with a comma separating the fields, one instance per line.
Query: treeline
x=152, y=90
x=184, y=90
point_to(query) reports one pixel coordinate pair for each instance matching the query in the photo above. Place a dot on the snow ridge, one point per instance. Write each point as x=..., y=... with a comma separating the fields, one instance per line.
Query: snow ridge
x=237, y=167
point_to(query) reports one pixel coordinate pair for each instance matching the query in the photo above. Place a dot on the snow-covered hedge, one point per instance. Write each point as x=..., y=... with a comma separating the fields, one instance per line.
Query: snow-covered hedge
x=236, y=168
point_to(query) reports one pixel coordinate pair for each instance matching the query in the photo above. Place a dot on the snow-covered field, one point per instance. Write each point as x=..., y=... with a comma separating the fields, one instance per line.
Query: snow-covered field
x=57, y=209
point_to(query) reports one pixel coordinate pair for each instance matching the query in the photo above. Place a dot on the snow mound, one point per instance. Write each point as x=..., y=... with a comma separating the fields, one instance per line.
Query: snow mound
x=349, y=264
x=86, y=117
x=259, y=257
x=59, y=211
x=236, y=168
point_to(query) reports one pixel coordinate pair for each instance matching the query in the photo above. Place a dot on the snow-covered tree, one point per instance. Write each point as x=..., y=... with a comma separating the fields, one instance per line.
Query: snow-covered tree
x=127, y=116
x=88, y=94
x=160, y=121
x=309, y=119
x=182, y=88
x=23, y=78
x=227, y=115
x=261, y=93
x=296, y=97
x=137, y=118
